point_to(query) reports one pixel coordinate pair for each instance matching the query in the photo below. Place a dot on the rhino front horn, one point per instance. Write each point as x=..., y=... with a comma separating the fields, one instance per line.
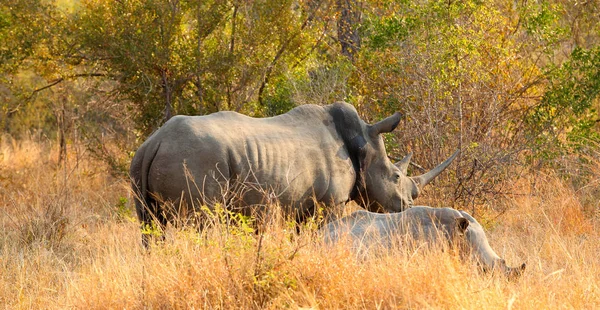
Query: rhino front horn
x=424, y=179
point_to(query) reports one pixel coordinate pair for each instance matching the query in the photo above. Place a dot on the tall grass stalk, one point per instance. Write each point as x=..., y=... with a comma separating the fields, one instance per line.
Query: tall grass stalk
x=69, y=239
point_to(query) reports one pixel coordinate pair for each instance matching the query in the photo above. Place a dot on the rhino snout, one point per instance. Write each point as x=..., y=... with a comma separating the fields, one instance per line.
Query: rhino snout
x=509, y=272
x=401, y=205
x=500, y=265
x=515, y=272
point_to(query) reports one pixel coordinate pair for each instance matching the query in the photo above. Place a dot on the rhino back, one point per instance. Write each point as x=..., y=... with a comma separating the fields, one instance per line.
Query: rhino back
x=430, y=224
x=367, y=229
x=293, y=155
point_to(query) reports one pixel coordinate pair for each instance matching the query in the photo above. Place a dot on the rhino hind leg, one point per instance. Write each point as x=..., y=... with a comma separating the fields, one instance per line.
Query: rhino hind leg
x=152, y=221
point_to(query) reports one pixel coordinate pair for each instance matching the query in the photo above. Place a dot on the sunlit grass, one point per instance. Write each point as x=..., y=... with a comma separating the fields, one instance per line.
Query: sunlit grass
x=68, y=239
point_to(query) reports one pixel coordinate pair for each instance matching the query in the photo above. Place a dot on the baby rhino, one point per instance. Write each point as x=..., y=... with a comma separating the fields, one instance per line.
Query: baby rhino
x=368, y=230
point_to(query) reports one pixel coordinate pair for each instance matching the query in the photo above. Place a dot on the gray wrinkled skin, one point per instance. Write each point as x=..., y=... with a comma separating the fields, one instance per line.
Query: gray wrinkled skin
x=368, y=231
x=311, y=154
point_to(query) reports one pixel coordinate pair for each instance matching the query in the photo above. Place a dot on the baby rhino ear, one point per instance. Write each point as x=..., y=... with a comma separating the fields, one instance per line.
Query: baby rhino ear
x=462, y=224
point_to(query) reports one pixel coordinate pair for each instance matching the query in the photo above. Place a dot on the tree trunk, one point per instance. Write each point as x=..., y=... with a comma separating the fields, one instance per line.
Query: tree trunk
x=348, y=21
x=168, y=91
x=231, y=50
x=62, y=143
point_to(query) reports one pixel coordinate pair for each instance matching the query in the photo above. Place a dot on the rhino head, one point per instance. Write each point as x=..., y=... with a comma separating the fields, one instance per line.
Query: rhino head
x=386, y=186
x=476, y=244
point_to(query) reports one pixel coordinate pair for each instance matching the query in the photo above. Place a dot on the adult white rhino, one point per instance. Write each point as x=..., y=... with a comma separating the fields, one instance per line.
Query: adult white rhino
x=310, y=154
x=368, y=231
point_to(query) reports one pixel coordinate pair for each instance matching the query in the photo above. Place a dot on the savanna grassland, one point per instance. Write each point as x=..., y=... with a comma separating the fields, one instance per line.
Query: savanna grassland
x=69, y=239
x=513, y=85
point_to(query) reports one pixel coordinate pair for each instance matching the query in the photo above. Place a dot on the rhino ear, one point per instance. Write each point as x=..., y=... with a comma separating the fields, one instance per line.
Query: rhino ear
x=386, y=125
x=403, y=164
x=462, y=224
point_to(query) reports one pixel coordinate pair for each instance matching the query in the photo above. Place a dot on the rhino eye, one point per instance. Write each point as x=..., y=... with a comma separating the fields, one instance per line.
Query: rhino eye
x=396, y=177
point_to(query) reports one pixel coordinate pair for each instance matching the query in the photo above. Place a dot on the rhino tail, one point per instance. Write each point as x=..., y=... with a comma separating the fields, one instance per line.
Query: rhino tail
x=146, y=206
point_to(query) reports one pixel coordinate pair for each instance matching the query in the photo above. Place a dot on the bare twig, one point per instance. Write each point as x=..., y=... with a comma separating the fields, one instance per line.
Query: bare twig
x=61, y=79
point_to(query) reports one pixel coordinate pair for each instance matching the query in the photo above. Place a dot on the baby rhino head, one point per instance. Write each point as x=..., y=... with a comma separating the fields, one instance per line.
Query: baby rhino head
x=474, y=242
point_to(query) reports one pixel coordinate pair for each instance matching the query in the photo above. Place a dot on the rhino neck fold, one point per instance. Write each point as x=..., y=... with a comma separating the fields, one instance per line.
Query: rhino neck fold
x=350, y=129
x=358, y=163
x=355, y=193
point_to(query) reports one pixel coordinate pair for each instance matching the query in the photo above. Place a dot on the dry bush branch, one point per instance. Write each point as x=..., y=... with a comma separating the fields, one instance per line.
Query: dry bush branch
x=96, y=260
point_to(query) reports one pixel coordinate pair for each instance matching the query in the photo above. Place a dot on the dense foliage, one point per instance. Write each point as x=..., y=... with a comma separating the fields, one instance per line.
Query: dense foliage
x=512, y=84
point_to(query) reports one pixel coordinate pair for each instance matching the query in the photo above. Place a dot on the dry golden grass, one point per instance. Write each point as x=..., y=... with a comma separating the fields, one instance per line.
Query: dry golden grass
x=68, y=241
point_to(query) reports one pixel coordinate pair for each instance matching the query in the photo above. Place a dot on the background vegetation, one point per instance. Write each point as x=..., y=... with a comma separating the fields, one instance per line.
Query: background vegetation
x=69, y=239
x=513, y=84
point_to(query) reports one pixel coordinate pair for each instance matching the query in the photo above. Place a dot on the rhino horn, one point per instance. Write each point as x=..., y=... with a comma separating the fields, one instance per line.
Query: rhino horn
x=424, y=179
x=386, y=125
x=403, y=164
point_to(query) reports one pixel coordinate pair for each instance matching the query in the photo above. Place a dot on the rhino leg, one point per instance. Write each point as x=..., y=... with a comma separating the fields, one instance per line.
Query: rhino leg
x=151, y=222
